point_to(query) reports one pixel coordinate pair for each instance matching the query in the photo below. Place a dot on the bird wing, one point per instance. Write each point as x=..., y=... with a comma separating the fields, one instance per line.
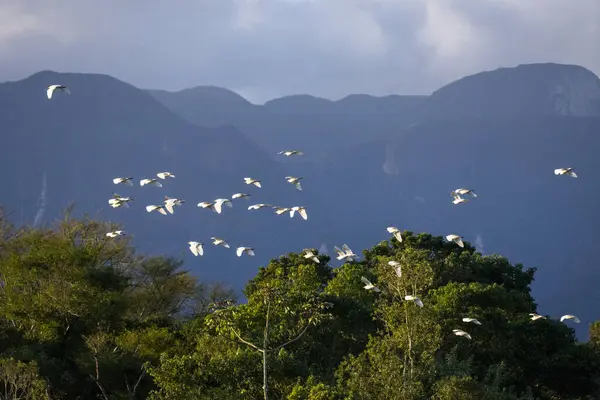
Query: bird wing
x=303, y=213
x=161, y=210
x=365, y=281
x=239, y=251
x=217, y=206
x=257, y=184
x=193, y=249
x=398, y=236
x=169, y=206
x=250, y=252
x=50, y=90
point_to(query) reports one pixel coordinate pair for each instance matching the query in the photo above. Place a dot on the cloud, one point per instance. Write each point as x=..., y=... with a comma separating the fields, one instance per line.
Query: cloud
x=269, y=48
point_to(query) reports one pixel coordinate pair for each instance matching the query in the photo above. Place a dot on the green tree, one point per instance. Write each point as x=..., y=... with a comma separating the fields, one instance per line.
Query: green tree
x=284, y=301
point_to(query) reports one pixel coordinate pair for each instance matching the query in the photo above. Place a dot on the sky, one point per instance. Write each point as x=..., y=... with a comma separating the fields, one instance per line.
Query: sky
x=263, y=49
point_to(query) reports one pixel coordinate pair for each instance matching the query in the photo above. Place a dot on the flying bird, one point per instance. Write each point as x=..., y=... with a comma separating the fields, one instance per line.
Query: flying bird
x=153, y=182
x=291, y=152
x=369, y=285
x=207, y=204
x=125, y=181
x=462, y=192
x=165, y=175
x=281, y=210
x=160, y=209
x=309, y=254
x=240, y=196
x=396, y=232
x=345, y=253
x=397, y=268
x=247, y=250
x=259, y=206
x=52, y=88
x=196, y=248
x=250, y=181
x=294, y=181
x=172, y=202
x=535, y=316
x=565, y=171
x=459, y=200
x=456, y=239
x=114, y=234
x=218, y=241
x=301, y=211
x=414, y=299
x=571, y=317
x=460, y=332
x=118, y=201
x=219, y=204
x=472, y=320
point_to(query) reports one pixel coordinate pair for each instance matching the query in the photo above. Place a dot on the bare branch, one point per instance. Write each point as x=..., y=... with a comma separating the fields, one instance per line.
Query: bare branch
x=246, y=342
x=292, y=340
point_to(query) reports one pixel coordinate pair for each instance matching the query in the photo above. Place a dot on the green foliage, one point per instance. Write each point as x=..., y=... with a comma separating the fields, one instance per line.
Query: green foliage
x=83, y=316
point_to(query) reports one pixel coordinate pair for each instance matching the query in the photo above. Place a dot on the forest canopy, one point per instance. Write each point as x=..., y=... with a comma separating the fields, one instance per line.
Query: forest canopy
x=85, y=316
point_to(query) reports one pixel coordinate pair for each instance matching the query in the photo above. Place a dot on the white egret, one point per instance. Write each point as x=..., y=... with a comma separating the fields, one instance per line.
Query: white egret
x=52, y=88
x=196, y=248
x=123, y=180
x=456, y=239
x=369, y=285
x=250, y=181
x=247, y=250
x=396, y=232
x=294, y=181
x=153, y=182
x=565, y=171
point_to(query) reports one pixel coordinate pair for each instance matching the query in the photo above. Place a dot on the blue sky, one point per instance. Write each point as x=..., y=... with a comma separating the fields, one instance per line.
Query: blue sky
x=268, y=48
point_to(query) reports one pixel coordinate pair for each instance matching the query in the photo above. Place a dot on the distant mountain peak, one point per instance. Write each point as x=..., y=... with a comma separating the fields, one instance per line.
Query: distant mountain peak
x=541, y=89
x=215, y=93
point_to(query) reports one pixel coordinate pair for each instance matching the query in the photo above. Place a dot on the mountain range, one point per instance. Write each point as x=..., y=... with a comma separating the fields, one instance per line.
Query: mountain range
x=370, y=162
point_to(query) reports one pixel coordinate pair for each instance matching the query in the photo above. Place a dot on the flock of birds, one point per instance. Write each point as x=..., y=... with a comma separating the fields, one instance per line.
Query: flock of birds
x=345, y=253
x=217, y=205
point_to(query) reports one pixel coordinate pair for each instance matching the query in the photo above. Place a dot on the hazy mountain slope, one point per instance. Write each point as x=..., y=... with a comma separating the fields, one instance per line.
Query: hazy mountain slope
x=69, y=149
x=523, y=91
x=524, y=211
x=403, y=178
x=299, y=120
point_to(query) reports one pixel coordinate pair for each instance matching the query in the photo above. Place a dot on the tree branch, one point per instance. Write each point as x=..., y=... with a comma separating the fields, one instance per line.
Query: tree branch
x=246, y=342
x=292, y=340
x=97, y=379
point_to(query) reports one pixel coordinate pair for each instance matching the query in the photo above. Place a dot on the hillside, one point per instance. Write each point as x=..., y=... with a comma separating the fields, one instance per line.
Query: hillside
x=293, y=121
x=527, y=90
x=69, y=149
x=402, y=178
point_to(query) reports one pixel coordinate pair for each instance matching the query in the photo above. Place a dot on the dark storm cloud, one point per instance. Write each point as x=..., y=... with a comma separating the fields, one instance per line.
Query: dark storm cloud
x=268, y=48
